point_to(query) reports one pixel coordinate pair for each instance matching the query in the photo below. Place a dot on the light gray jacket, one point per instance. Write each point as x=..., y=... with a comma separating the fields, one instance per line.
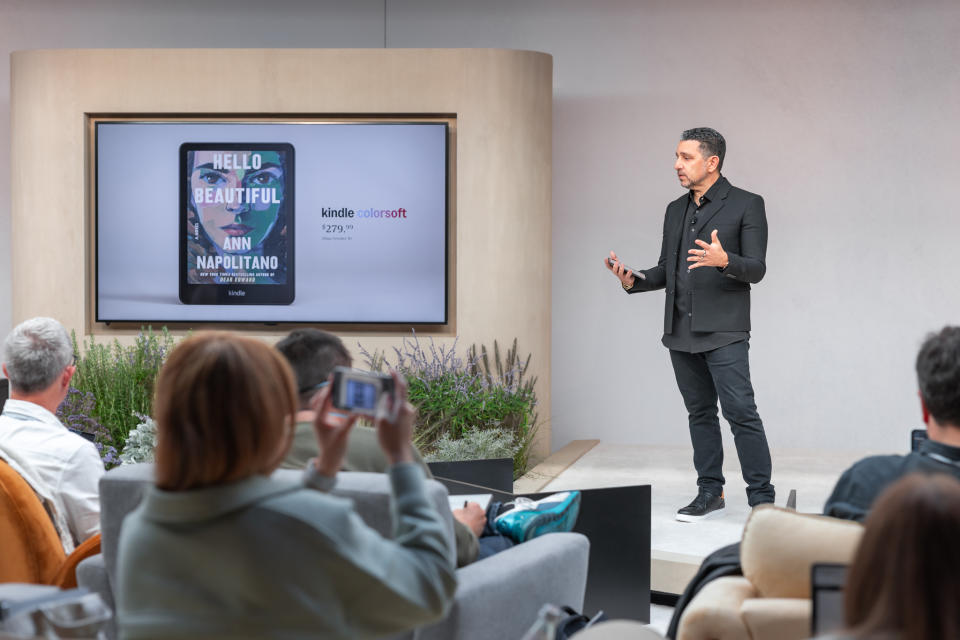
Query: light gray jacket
x=364, y=454
x=277, y=558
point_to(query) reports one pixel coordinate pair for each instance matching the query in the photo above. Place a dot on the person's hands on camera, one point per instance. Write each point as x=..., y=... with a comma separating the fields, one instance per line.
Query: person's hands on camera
x=332, y=430
x=626, y=277
x=473, y=516
x=394, y=422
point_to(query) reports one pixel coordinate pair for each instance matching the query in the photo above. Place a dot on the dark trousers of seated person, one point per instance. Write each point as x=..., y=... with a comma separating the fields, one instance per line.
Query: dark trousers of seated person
x=490, y=540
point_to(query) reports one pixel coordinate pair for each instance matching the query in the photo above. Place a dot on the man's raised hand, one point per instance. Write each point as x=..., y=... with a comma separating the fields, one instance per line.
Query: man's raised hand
x=708, y=255
x=625, y=275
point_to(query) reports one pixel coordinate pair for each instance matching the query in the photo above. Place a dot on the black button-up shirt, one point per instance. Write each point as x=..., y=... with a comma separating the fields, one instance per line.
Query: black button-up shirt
x=682, y=337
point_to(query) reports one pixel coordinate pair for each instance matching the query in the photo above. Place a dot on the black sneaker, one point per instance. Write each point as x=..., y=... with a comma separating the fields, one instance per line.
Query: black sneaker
x=705, y=505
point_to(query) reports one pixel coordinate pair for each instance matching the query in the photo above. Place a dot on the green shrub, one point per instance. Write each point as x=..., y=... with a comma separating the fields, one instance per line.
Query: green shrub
x=455, y=396
x=475, y=444
x=121, y=378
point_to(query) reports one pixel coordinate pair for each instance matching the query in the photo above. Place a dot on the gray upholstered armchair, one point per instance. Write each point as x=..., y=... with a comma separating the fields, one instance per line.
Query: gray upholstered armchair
x=496, y=598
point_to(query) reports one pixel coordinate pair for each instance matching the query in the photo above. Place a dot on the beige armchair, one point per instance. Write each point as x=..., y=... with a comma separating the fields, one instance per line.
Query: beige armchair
x=772, y=599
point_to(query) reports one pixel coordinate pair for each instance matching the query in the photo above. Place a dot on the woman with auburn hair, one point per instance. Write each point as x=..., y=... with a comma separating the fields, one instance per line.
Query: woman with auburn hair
x=219, y=548
x=904, y=582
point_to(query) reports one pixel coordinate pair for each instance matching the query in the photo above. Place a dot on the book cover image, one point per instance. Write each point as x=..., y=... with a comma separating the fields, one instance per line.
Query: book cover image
x=236, y=223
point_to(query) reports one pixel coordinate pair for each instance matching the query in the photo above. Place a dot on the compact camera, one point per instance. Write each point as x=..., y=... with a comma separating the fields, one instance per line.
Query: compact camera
x=359, y=391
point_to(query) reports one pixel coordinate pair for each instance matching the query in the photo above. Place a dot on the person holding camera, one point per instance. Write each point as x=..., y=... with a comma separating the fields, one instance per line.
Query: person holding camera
x=219, y=547
x=314, y=355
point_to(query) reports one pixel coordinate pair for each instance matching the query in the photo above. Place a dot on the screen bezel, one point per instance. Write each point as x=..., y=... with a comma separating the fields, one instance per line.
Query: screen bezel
x=826, y=579
x=447, y=326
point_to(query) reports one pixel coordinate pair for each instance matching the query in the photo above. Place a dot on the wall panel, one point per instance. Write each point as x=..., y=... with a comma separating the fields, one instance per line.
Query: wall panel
x=501, y=98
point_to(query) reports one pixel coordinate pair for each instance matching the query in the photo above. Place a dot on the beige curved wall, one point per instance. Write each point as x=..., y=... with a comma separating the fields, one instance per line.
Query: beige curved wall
x=500, y=283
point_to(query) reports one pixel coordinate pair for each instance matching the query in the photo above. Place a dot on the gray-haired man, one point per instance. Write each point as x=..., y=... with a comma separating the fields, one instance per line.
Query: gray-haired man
x=61, y=466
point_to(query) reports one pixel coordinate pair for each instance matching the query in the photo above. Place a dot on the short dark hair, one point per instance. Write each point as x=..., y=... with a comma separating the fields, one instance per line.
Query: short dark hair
x=224, y=410
x=904, y=578
x=313, y=354
x=938, y=374
x=711, y=142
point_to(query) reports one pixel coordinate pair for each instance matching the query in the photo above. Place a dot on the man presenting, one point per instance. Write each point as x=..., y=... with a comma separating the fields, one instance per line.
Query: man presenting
x=714, y=247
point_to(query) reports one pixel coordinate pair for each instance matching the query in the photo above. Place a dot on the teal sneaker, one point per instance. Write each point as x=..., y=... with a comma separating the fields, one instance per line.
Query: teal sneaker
x=531, y=518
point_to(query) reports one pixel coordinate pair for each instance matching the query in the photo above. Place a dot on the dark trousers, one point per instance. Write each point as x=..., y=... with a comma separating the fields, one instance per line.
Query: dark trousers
x=492, y=541
x=724, y=373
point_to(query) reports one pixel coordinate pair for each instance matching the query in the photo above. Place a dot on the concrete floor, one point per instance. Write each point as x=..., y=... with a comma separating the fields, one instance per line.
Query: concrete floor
x=676, y=547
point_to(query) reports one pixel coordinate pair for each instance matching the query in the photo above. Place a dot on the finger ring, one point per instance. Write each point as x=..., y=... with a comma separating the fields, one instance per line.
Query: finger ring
x=704, y=253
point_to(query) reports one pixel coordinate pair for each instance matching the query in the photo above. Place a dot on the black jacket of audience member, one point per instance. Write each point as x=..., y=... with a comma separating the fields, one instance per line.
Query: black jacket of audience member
x=860, y=485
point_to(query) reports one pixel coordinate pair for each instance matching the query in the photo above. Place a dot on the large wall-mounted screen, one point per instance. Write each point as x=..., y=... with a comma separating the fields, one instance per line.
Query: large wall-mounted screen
x=307, y=222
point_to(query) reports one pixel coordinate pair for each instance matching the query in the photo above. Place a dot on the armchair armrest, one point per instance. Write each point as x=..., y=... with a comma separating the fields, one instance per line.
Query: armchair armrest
x=714, y=614
x=92, y=575
x=66, y=577
x=500, y=596
x=780, y=618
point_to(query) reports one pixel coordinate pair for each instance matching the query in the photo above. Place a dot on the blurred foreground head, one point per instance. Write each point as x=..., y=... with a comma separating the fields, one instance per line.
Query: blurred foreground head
x=905, y=577
x=224, y=410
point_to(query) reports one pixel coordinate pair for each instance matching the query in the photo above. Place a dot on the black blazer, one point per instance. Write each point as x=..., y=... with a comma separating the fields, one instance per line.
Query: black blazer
x=721, y=299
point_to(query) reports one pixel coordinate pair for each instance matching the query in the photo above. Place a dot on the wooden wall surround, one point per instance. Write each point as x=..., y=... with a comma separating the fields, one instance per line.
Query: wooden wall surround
x=500, y=205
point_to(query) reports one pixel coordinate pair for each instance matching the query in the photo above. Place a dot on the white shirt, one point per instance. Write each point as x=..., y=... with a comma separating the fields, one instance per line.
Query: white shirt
x=67, y=464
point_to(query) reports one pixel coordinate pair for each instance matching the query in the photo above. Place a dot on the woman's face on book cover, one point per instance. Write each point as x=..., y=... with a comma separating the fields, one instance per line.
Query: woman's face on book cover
x=237, y=196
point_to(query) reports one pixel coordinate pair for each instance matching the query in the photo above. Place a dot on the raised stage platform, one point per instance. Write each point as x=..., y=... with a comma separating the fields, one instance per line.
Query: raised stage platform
x=677, y=548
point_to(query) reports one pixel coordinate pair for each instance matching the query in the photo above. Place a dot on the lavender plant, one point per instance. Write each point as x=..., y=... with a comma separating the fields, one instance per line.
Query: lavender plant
x=455, y=395
x=76, y=412
x=121, y=378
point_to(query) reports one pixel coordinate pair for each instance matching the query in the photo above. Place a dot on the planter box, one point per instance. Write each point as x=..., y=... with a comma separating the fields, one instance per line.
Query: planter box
x=616, y=520
x=493, y=473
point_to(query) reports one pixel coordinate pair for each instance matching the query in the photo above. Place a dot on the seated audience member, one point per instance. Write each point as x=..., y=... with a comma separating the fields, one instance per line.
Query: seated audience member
x=61, y=466
x=220, y=548
x=313, y=354
x=904, y=582
x=938, y=375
